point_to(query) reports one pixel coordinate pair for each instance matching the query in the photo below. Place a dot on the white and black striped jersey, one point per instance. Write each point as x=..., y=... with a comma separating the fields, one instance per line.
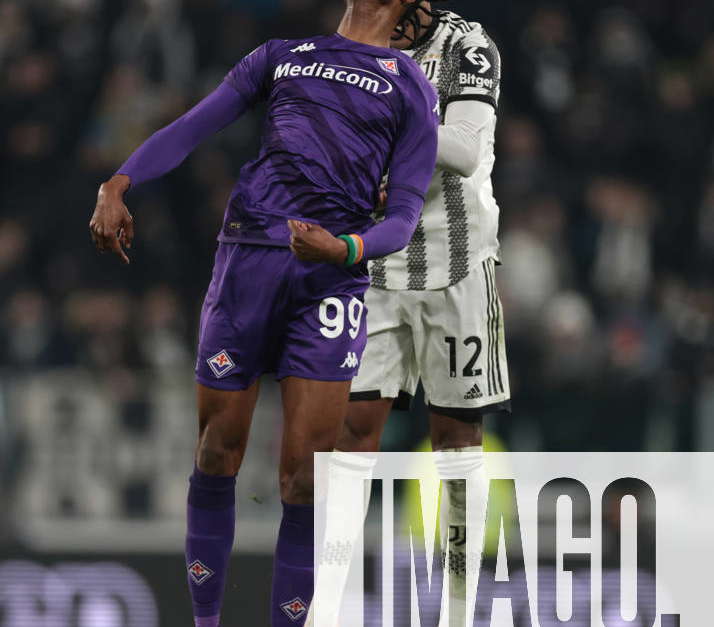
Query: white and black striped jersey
x=459, y=226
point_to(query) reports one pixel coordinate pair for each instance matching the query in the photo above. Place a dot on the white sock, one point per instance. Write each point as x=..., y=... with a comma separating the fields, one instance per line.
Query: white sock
x=462, y=554
x=350, y=475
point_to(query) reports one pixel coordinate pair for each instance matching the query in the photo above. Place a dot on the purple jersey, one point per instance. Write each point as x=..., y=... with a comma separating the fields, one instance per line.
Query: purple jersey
x=341, y=114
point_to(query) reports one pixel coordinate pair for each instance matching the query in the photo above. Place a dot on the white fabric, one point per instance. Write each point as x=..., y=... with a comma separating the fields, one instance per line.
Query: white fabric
x=459, y=136
x=349, y=475
x=464, y=497
x=459, y=226
x=407, y=340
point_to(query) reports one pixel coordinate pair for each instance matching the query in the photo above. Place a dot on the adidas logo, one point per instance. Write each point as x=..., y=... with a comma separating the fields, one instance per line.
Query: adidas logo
x=474, y=393
x=305, y=48
x=351, y=361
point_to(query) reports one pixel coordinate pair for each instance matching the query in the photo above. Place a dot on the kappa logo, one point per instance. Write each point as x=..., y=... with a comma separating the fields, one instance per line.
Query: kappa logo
x=390, y=65
x=351, y=361
x=357, y=77
x=221, y=364
x=199, y=573
x=305, y=48
x=294, y=609
x=474, y=393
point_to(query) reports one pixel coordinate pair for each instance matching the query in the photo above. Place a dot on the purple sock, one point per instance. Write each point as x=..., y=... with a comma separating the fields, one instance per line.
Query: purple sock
x=293, y=572
x=209, y=542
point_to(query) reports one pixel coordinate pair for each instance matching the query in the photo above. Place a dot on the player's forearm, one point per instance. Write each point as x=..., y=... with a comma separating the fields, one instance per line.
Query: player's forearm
x=458, y=149
x=397, y=229
x=162, y=152
x=460, y=137
x=169, y=147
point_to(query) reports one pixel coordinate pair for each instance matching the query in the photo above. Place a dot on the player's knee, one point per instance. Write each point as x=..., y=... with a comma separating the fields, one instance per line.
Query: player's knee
x=297, y=484
x=450, y=433
x=297, y=474
x=219, y=455
x=358, y=438
x=363, y=427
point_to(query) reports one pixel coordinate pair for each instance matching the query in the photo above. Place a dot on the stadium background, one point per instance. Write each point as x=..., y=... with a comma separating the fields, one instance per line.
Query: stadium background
x=605, y=177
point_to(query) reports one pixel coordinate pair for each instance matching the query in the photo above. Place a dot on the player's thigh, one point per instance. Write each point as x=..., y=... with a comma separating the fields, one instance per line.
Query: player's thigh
x=314, y=412
x=326, y=331
x=388, y=364
x=461, y=348
x=240, y=328
x=224, y=418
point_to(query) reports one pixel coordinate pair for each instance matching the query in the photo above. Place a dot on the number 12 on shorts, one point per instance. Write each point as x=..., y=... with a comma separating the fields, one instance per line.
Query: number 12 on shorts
x=334, y=318
x=468, y=370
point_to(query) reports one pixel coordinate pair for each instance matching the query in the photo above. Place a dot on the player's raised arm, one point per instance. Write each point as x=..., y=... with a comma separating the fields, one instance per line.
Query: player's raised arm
x=412, y=167
x=112, y=225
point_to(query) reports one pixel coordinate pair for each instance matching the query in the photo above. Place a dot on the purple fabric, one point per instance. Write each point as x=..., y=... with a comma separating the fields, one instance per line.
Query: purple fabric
x=397, y=228
x=341, y=114
x=167, y=148
x=209, y=542
x=293, y=572
x=262, y=313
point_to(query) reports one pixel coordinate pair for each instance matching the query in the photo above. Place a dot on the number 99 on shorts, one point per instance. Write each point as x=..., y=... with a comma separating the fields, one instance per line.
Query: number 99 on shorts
x=336, y=318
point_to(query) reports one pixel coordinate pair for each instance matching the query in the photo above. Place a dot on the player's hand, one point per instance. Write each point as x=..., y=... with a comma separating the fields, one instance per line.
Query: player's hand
x=112, y=226
x=310, y=242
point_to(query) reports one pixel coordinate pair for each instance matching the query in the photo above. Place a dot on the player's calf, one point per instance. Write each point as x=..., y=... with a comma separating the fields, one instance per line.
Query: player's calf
x=459, y=460
x=314, y=414
x=224, y=423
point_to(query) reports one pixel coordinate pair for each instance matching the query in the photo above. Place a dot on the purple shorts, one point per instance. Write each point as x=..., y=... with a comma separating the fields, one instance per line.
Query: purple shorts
x=266, y=311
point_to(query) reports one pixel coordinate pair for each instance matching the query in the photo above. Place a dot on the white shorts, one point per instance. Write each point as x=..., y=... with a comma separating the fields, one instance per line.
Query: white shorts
x=452, y=339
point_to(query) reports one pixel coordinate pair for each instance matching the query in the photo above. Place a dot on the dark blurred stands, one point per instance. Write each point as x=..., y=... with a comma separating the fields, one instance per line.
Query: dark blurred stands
x=605, y=177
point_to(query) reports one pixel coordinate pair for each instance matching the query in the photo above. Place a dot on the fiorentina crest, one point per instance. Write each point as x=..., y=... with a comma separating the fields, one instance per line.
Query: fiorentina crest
x=199, y=573
x=294, y=609
x=390, y=65
x=221, y=364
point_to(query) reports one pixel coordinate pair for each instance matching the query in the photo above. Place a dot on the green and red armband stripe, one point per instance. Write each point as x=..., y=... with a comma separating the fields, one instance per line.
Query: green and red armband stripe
x=355, y=248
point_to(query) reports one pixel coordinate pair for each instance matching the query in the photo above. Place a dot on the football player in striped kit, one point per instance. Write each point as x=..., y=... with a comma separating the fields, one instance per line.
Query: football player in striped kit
x=434, y=310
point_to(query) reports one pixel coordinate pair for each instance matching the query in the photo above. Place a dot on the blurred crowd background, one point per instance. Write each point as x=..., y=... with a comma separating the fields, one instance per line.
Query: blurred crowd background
x=605, y=177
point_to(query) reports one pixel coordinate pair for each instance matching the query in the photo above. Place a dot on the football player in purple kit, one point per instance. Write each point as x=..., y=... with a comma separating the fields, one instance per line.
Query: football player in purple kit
x=287, y=293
